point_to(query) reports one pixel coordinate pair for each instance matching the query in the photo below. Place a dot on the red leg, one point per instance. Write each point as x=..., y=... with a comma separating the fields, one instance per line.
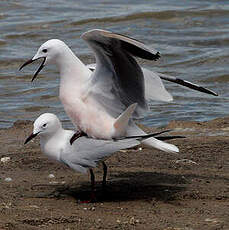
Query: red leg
x=76, y=136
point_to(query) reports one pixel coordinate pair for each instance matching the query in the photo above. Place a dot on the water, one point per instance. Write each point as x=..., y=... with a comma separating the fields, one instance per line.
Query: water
x=192, y=36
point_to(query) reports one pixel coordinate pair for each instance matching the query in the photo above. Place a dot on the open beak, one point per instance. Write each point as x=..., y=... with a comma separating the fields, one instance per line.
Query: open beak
x=39, y=69
x=30, y=137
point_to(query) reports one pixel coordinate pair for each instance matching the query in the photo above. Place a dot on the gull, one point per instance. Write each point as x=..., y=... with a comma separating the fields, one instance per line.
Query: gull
x=85, y=153
x=95, y=99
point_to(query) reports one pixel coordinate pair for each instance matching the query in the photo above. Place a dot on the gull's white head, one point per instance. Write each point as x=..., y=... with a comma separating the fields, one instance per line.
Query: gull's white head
x=45, y=125
x=49, y=52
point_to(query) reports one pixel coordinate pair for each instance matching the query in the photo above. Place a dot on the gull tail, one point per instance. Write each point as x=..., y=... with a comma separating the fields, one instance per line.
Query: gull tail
x=151, y=142
x=166, y=147
x=122, y=121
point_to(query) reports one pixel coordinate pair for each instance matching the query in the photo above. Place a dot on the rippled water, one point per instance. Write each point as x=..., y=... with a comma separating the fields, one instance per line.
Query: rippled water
x=192, y=36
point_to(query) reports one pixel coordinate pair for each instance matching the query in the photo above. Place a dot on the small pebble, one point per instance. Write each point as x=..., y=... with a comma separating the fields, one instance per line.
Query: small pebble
x=123, y=150
x=8, y=179
x=186, y=161
x=51, y=176
x=5, y=159
x=132, y=220
x=53, y=182
x=7, y=205
x=212, y=220
x=33, y=206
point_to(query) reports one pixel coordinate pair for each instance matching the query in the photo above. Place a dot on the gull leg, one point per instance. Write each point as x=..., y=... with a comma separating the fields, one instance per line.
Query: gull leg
x=76, y=136
x=92, y=180
x=104, y=174
x=93, y=198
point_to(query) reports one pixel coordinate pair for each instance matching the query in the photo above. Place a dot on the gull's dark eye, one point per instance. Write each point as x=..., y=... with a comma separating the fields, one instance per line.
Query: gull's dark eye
x=44, y=50
x=44, y=125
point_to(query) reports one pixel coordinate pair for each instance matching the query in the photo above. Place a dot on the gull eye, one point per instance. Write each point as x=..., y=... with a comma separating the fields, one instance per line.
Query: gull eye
x=44, y=125
x=44, y=50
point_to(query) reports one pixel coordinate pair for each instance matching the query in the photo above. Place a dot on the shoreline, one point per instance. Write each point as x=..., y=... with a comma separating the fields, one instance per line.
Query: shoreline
x=147, y=189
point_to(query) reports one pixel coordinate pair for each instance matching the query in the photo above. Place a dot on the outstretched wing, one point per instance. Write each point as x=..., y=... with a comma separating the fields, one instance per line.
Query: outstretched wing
x=87, y=152
x=118, y=80
x=154, y=88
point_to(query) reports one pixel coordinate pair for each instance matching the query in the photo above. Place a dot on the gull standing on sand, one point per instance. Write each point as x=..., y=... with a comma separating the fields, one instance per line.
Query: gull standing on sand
x=85, y=153
x=95, y=100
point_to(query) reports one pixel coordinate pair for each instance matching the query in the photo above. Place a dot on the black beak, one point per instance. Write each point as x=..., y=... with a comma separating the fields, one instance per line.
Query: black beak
x=30, y=138
x=39, y=69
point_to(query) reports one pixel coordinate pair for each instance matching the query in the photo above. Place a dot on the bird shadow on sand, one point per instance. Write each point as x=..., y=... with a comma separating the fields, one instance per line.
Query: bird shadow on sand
x=126, y=186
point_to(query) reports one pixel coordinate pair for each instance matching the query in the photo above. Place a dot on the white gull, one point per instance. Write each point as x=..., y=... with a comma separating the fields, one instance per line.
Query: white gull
x=95, y=100
x=85, y=153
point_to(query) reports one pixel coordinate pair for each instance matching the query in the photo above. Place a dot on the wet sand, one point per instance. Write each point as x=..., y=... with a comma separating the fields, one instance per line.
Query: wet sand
x=147, y=189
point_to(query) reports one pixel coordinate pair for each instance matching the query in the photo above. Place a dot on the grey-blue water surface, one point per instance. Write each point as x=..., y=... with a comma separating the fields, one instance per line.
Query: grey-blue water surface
x=192, y=37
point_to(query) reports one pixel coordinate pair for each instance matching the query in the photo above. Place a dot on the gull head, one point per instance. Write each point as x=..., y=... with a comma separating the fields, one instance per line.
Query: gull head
x=49, y=52
x=45, y=125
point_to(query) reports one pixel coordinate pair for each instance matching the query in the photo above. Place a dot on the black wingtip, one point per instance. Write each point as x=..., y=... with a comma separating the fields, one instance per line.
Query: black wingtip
x=146, y=136
x=189, y=85
x=157, y=56
x=76, y=136
x=165, y=138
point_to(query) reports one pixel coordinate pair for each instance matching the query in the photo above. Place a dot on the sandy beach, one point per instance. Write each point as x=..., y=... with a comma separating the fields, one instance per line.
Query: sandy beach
x=147, y=189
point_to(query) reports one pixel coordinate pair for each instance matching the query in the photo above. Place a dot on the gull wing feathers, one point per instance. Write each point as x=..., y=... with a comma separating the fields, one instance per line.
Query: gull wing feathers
x=154, y=87
x=88, y=151
x=118, y=78
x=186, y=84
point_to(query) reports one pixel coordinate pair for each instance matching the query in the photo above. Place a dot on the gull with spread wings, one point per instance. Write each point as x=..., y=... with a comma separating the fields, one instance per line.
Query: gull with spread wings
x=102, y=103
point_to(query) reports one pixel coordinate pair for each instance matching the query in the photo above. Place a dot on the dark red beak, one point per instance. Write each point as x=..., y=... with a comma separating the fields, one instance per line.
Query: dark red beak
x=39, y=69
x=30, y=138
